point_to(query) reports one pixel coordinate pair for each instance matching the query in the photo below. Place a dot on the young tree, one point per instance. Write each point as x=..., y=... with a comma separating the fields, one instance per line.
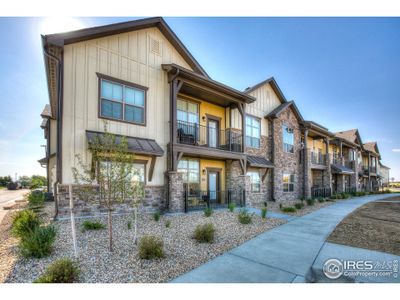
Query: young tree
x=114, y=180
x=5, y=180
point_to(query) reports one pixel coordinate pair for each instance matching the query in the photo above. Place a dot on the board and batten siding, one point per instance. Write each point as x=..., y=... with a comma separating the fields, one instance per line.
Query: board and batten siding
x=127, y=56
x=267, y=100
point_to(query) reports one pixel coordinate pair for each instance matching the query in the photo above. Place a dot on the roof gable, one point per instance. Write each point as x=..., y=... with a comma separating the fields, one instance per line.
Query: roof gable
x=352, y=136
x=61, y=39
x=372, y=147
x=281, y=108
x=274, y=86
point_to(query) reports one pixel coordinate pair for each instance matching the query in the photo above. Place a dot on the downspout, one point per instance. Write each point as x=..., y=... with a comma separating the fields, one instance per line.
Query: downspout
x=59, y=125
x=273, y=160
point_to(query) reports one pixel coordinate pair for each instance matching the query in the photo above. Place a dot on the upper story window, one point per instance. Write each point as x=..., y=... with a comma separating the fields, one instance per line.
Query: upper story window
x=122, y=101
x=253, y=131
x=288, y=139
x=188, y=112
x=255, y=181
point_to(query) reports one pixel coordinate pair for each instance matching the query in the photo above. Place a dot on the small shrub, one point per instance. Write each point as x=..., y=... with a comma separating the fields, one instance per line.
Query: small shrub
x=129, y=225
x=168, y=223
x=345, y=196
x=39, y=243
x=151, y=247
x=320, y=200
x=24, y=223
x=36, y=199
x=263, y=212
x=299, y=205
x=156, y=216
x=265, y=204
x=310, y=202
x=280, y=205
x=204, y=233
x=244, y=216
x=92, y=225
x=231, y=207
x=208, y=211
x=288, y=209
x=61, y=271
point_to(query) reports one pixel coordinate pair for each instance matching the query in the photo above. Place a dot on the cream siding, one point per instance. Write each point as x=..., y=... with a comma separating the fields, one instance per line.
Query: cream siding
x=53, y=136
x=128, y=57
x=267, y=100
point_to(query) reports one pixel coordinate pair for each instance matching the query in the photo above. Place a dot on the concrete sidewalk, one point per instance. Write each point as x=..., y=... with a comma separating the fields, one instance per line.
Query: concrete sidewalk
x=283, y=254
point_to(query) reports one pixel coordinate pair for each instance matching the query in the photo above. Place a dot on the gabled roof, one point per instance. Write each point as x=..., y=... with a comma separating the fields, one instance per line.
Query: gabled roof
x=65, y=38
x=274, y=86
x=277, y=111
x=317, y=127
x=372, y=147
x=352, y=136
x=46, y=113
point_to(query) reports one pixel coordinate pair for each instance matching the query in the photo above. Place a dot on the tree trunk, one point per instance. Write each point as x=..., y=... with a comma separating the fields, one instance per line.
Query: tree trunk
x=110, y=237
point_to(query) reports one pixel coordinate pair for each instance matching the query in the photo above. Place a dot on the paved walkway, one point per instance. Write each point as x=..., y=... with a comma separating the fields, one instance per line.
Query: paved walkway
x=7, y=198
x=283, y=254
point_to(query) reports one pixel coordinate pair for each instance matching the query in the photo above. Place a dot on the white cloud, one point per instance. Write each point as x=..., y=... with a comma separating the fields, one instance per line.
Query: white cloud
x=396, y=150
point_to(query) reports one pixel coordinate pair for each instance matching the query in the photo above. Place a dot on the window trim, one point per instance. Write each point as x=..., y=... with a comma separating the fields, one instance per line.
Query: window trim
x=129, y=84
x=259, y=137
x=288, y=183
x=283, y=140
x=135, y=161
x=252, y=184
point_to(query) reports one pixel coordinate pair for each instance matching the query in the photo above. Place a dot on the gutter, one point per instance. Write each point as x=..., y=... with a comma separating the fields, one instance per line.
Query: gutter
x=58, y=118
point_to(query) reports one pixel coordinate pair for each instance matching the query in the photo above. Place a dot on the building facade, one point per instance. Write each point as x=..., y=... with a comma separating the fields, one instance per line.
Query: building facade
x=196, y=141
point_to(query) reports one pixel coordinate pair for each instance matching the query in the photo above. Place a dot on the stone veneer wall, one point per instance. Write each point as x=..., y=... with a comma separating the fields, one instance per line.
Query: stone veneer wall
x=154, y=200
x=176, y=192
x=287, y=162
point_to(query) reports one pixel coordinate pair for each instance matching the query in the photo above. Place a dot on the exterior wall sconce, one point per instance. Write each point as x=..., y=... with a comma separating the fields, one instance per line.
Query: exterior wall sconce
x=203, y=171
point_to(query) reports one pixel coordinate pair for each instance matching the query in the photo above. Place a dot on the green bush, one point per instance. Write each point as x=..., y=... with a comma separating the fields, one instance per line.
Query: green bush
x=24, y=223
x=36, y=199
x=208, y=211
x=168, y=223
x=150, y=247
x=204, y=233
x=129, y=224
x=345, y=196
x=231, y=207
x=280, y=205
x=299, y=205
x=39, y=243
x=156, y=216
x=320, y=200
x=92, y=225
x=244, y=216
x=310, y=202
x=61, y=271
x=263, y=212
x=288, y=209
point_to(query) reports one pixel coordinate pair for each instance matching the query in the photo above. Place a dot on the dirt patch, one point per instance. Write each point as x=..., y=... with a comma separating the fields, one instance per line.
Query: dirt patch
x=374, y=226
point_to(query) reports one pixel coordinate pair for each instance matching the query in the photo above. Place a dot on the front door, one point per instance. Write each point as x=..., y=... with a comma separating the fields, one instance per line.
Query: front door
x=213, y=183
x=213, y=133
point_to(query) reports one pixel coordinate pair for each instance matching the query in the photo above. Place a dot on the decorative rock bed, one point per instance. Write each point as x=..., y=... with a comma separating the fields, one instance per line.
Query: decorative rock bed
x=97, y=264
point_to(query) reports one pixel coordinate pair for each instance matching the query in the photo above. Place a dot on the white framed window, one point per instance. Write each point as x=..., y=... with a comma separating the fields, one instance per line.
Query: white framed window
x=190, y=170
x=122, y=101
x=253, y=132
x=255, y=181
x=288, y=139
x=288, y=182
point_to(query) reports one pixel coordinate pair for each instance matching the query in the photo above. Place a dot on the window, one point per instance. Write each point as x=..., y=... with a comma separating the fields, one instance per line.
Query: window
x=288, y=139
x=188, y=117
x=288, y=182
x=122, y=102
x=253, y=131
x=190, y=169
x=138, y=170
x=352, y=155
x=255, y=181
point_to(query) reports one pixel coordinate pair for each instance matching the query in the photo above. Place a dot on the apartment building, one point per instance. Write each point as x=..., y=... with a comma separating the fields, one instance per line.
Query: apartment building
x=196, y=141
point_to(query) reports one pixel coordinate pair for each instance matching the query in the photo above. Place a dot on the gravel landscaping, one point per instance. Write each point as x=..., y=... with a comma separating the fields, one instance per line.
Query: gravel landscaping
x=274, y=206
x=97, y=264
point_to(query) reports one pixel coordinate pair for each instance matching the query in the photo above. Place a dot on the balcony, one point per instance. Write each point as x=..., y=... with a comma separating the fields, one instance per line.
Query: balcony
x=372, y=169
x=209, y=137
x=365, y=170
x=337, y=159
x=317, y=158
x=317, y=192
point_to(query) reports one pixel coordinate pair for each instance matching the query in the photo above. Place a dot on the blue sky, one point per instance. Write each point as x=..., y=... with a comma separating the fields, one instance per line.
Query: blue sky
x=343, y=73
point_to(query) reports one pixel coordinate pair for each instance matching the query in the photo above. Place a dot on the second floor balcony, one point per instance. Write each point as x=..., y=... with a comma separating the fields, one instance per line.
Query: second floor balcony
x=208, y=136
x=317, y=158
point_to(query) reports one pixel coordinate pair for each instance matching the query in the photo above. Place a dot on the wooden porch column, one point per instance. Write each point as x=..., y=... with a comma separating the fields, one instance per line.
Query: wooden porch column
x=242, y=110
x=175, y=86
x=341, y=151
x=369, y=173
x=328, y=164
x=306, y=182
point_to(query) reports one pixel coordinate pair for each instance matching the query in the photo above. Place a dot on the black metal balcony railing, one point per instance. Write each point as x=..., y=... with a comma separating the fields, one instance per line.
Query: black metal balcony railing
x=337, y=159
x=365, y=170
x=372, y=169
x=348, y=189
x=206, y=136
x=317, y=192
x=198, y=200
x=318, y=158
x=349, y=164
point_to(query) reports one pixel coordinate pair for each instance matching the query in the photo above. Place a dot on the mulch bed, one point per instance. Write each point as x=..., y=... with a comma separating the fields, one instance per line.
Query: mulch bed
x=374, y=226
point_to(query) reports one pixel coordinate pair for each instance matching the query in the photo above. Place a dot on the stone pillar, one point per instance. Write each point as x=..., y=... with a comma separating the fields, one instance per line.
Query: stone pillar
x=369, y=185
x=354, y=177
x=328, y=181
x=176, y=192
x=340, y=183
x=244, y=182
